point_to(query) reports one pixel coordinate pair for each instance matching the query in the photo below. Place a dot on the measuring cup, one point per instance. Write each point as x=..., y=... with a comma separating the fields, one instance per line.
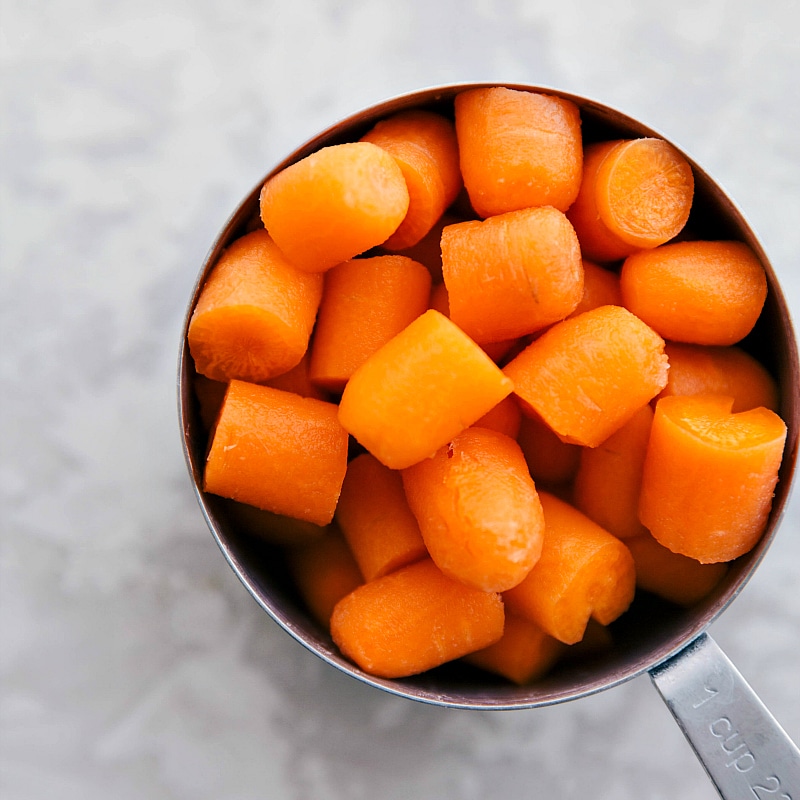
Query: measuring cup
x=741, y=746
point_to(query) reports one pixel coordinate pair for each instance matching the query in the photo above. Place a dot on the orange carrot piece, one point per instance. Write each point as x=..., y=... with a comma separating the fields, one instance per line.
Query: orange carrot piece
x=609, y=478
x=478, y=509
x=518, y=149
x=587, y=376
x=418, y=391
x=511, y=274
x=324, y=572
x=374, y=517
x=414, y=619
x=439, y=300
x=584, y=572
x=497, y=351
x=271, y=527
x=699, y=292
x=297, y=380
x=524, y=654
x=504, y=418
x=709, y=476
x=600, y=288
x=278, y=451
x=671, y=576
x=209, y=396
x=428, y=250
x=334, y=204
x=635, y=194
x=366, y=302
x=550, y=460
x=255, y=313
x=425, y=147
x=730, y=371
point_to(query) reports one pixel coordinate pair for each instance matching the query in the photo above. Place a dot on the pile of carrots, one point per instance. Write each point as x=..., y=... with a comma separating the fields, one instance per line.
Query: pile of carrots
x=471, y=373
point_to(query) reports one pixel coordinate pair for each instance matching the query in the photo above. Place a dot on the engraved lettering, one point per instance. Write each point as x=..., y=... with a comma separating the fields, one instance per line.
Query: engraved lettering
x=731, y=738
x=711, y=692
x=771, y=785
x=742, y=763
x=720, y=727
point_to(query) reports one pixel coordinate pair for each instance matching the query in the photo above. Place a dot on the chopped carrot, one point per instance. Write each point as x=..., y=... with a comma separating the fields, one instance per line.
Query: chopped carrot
x=428, y=250
x=588, y=375
x=511, y=274
x=414, y=619
x=425, y=147
x=504, y=418
x=730, y=371
x=635, y=194
x=324, y=572
x=671, y=576
x=550, y=459
x=277, y=451
x=701, y=292
x=297, y=380
x=518, y=149
x=374, y=517
x=271, y=527
x=584, y=572
x=600, y=288
x=497, y=351
x=478, y=509
x=334, y=204
x=418, y=391
x=365, y=303
x=609, y=478
x=255, y=313
x=209, y=396
x=524, y=654
x=709, y=476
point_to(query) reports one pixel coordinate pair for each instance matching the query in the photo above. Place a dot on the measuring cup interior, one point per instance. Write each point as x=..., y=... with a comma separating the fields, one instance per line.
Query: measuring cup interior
x=652, y=630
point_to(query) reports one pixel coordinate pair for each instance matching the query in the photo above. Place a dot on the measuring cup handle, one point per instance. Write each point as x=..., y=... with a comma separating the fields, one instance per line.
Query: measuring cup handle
x=743, y=749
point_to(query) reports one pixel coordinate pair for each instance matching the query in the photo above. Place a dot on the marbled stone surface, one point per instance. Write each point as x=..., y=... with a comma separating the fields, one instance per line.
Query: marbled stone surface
x=133, y=664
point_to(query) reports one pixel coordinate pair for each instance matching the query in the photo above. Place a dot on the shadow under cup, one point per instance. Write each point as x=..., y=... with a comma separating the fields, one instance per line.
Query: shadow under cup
x=652, y=630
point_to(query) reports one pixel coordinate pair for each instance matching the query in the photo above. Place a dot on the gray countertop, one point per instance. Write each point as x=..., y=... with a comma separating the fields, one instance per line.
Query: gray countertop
x=133, y=664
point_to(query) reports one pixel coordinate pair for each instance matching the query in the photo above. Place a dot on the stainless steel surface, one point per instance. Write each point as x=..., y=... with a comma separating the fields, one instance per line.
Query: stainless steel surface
x=648, y=635
x=740, y=744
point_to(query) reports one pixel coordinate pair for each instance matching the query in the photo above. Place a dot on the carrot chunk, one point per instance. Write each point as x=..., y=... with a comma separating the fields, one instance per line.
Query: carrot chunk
x=478, y=509
x=518, y=149
x=730, y=371
x=609, y=478
x=511, y=274
x=324, y=572
x=297, y=380
x=584, y=572
x=701, y=292
x=334, y=204
x=255, y=313
x=366, y=302
x=277, y=451
x=709, y=476
x=671, y=576
x=550, y=460
x=524, y=654
x=425, y=147
x=635, y=194
x=600, y=288
x=418, y=391
x=375, y=519
x=504, y=418
x=414, y=619
x=588, y=375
